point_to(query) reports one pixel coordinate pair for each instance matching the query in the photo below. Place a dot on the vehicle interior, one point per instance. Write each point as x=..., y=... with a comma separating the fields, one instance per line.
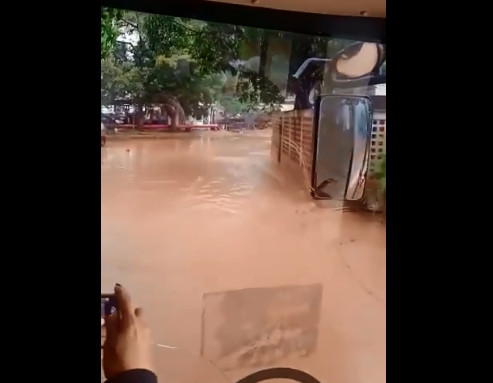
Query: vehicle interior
x=317, y=63
x=373, y=8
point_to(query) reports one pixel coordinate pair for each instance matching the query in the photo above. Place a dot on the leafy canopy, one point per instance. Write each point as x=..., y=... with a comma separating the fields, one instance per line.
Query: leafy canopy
x=185, y=64
x=109, y=29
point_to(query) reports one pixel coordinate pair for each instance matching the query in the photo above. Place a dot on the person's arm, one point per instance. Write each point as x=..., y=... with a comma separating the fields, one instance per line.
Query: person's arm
x=134, y=376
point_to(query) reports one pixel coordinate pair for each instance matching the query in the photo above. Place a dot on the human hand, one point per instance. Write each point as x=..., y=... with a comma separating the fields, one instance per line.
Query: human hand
x=128, y=340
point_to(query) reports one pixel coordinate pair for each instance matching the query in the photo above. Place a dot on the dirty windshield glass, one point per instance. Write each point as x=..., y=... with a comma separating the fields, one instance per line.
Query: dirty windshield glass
x=208, y=179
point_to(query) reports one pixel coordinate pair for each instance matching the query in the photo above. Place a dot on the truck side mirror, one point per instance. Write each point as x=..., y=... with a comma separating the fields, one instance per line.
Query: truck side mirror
x=358, y=65
x=341, y=151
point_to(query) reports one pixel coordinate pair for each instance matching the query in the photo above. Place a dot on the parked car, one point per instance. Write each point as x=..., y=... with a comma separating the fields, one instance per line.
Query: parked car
x=103, y=135
x=111, y=120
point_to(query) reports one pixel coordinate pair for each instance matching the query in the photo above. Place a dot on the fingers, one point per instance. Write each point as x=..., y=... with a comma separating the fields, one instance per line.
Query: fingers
x=111, y=325
x=124, y=306
x=140, y=322
x=139, y=313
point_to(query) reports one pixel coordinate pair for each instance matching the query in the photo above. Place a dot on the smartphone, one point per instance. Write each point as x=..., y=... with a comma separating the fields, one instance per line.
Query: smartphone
x=108, y=306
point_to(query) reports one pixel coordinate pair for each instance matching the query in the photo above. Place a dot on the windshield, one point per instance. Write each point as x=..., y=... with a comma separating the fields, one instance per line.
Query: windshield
x=206, y=212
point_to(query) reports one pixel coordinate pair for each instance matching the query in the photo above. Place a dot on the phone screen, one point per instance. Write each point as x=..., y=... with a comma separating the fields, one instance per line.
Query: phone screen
x=107, y=306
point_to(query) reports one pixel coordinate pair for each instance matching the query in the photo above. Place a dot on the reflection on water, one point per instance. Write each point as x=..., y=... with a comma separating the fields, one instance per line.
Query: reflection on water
x=183, y=218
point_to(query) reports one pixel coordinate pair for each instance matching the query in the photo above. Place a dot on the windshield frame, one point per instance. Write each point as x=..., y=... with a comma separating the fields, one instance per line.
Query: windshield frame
x=368, y=29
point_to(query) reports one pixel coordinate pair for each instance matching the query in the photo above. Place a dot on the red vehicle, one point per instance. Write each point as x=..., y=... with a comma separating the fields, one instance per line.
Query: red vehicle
x=103, y=135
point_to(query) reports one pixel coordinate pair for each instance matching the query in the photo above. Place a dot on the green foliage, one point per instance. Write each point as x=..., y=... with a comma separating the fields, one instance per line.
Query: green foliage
x=109, y=29
x=233, y=106
x=189, y=64
x=120, y=80
x=212, y=48
x=255, y=89
x=381, y=175
x=185, y=64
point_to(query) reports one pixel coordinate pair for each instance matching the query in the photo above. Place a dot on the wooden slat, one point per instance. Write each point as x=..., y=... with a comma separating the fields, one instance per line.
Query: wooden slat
x=296, y=139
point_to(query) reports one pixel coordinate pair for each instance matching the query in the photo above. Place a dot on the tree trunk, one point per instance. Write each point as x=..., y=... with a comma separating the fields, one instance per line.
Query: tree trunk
x=139, y=116
x=264, y=46
x=174, y=121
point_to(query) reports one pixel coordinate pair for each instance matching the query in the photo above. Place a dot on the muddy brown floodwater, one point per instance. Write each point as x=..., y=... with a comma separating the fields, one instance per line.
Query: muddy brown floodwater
x=235, y=265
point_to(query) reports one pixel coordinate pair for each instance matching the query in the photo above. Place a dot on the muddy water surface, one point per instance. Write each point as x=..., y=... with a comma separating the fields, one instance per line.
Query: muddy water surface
x=235, y=265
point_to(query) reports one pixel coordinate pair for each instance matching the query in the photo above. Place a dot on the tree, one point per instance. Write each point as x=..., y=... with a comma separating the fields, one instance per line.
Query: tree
x=144, y=75
x=187, y=65
x=183, y=64
x=114, y=81
x=109, y=29
x=179, y=61
x=214, y=48
x=233, y=106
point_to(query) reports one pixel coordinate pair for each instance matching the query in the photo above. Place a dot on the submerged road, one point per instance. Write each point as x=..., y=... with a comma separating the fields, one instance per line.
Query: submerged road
x=236, y=267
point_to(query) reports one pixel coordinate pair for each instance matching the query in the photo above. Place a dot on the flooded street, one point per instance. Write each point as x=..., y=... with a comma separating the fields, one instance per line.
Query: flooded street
x=233, y=261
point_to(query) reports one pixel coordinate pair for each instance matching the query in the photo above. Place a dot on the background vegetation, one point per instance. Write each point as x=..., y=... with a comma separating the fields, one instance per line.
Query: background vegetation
x=188, y=65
